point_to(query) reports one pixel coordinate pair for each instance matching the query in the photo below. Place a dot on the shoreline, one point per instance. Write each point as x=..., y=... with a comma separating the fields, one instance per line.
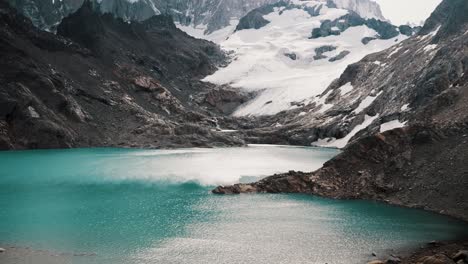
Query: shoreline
x=435, y=250
x=432, y=251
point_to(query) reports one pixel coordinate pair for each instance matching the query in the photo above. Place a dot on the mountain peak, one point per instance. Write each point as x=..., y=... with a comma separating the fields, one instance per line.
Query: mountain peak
x=364, y=8
x=448, y=18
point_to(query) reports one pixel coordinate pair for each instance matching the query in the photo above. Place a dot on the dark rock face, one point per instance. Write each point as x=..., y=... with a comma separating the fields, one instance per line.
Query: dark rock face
x=129, y=11
x=335, y=27
x=320, y=50
x=104, y=82
x=48, y=14
x=224, y=99
x=450, y=16
x=254, y=19
x=340, y=56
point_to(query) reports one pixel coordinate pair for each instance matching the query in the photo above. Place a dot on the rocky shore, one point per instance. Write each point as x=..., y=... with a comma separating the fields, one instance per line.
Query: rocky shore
x=432, y=253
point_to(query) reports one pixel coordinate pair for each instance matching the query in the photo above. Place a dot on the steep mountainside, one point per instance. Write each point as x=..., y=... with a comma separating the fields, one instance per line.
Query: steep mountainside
x=413, y=99
x=103, y=82
x=290, y=51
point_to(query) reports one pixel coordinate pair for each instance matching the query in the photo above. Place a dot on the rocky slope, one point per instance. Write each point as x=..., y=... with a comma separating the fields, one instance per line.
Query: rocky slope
x=419, y=160
x=104, y=82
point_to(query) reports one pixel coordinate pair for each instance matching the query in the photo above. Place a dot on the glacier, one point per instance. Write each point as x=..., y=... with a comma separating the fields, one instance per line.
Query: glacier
x=281, y=63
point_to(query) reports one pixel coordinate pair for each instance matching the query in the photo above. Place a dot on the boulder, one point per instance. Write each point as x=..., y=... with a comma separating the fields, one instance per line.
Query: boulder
x=393, y=260
x=376, y=262
x=461, y=255
x=436, y=259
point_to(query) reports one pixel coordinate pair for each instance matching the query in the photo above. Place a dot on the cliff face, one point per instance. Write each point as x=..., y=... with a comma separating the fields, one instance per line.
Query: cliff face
x=419, y=160
x=104, y=82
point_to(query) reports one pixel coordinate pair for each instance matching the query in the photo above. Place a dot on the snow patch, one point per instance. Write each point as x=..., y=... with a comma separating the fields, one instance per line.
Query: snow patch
x=342, y=142
x=405, y=107
x=391, y=125
x=217, y=36
x=430, y=47
x=32, y=112
x=346, y=88
x=366, y=103
x=395, y=50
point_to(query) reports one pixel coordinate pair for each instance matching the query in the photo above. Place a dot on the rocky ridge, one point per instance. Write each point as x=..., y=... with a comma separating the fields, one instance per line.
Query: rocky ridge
x=213, y=14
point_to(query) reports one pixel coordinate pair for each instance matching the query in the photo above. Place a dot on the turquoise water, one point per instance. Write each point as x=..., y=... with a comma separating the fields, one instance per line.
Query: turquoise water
x=155, y=206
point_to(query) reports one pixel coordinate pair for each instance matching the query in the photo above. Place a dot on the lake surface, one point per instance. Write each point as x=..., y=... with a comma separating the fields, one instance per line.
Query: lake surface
x=155, y=206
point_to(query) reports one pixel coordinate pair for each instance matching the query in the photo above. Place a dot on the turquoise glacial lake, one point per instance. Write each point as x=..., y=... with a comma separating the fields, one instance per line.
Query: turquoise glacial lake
x=155, y=206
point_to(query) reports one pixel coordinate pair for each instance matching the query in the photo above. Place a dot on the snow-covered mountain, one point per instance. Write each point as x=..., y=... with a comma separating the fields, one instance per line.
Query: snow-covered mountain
x=364, y=8
x=205, y=16
x=47, y=14
x=215, y=20
x=198, y=17
x=289, y=52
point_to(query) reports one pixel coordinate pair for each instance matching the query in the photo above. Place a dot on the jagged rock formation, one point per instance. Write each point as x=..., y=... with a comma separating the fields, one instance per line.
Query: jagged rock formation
x=384, y=29
x=212, y=15
x=419, y=160
x=104, y=82
x=364, y=8
x=47, y=14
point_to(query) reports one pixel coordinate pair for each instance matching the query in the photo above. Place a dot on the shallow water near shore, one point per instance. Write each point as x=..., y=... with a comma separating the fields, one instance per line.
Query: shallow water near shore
x=155, y=206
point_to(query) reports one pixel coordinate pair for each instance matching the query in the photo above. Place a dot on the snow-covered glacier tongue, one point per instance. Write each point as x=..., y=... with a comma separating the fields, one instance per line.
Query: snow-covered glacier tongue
x=289, y=52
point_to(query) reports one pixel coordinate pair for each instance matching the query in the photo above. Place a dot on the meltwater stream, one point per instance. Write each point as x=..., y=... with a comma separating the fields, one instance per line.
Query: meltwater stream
x=155, y=206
